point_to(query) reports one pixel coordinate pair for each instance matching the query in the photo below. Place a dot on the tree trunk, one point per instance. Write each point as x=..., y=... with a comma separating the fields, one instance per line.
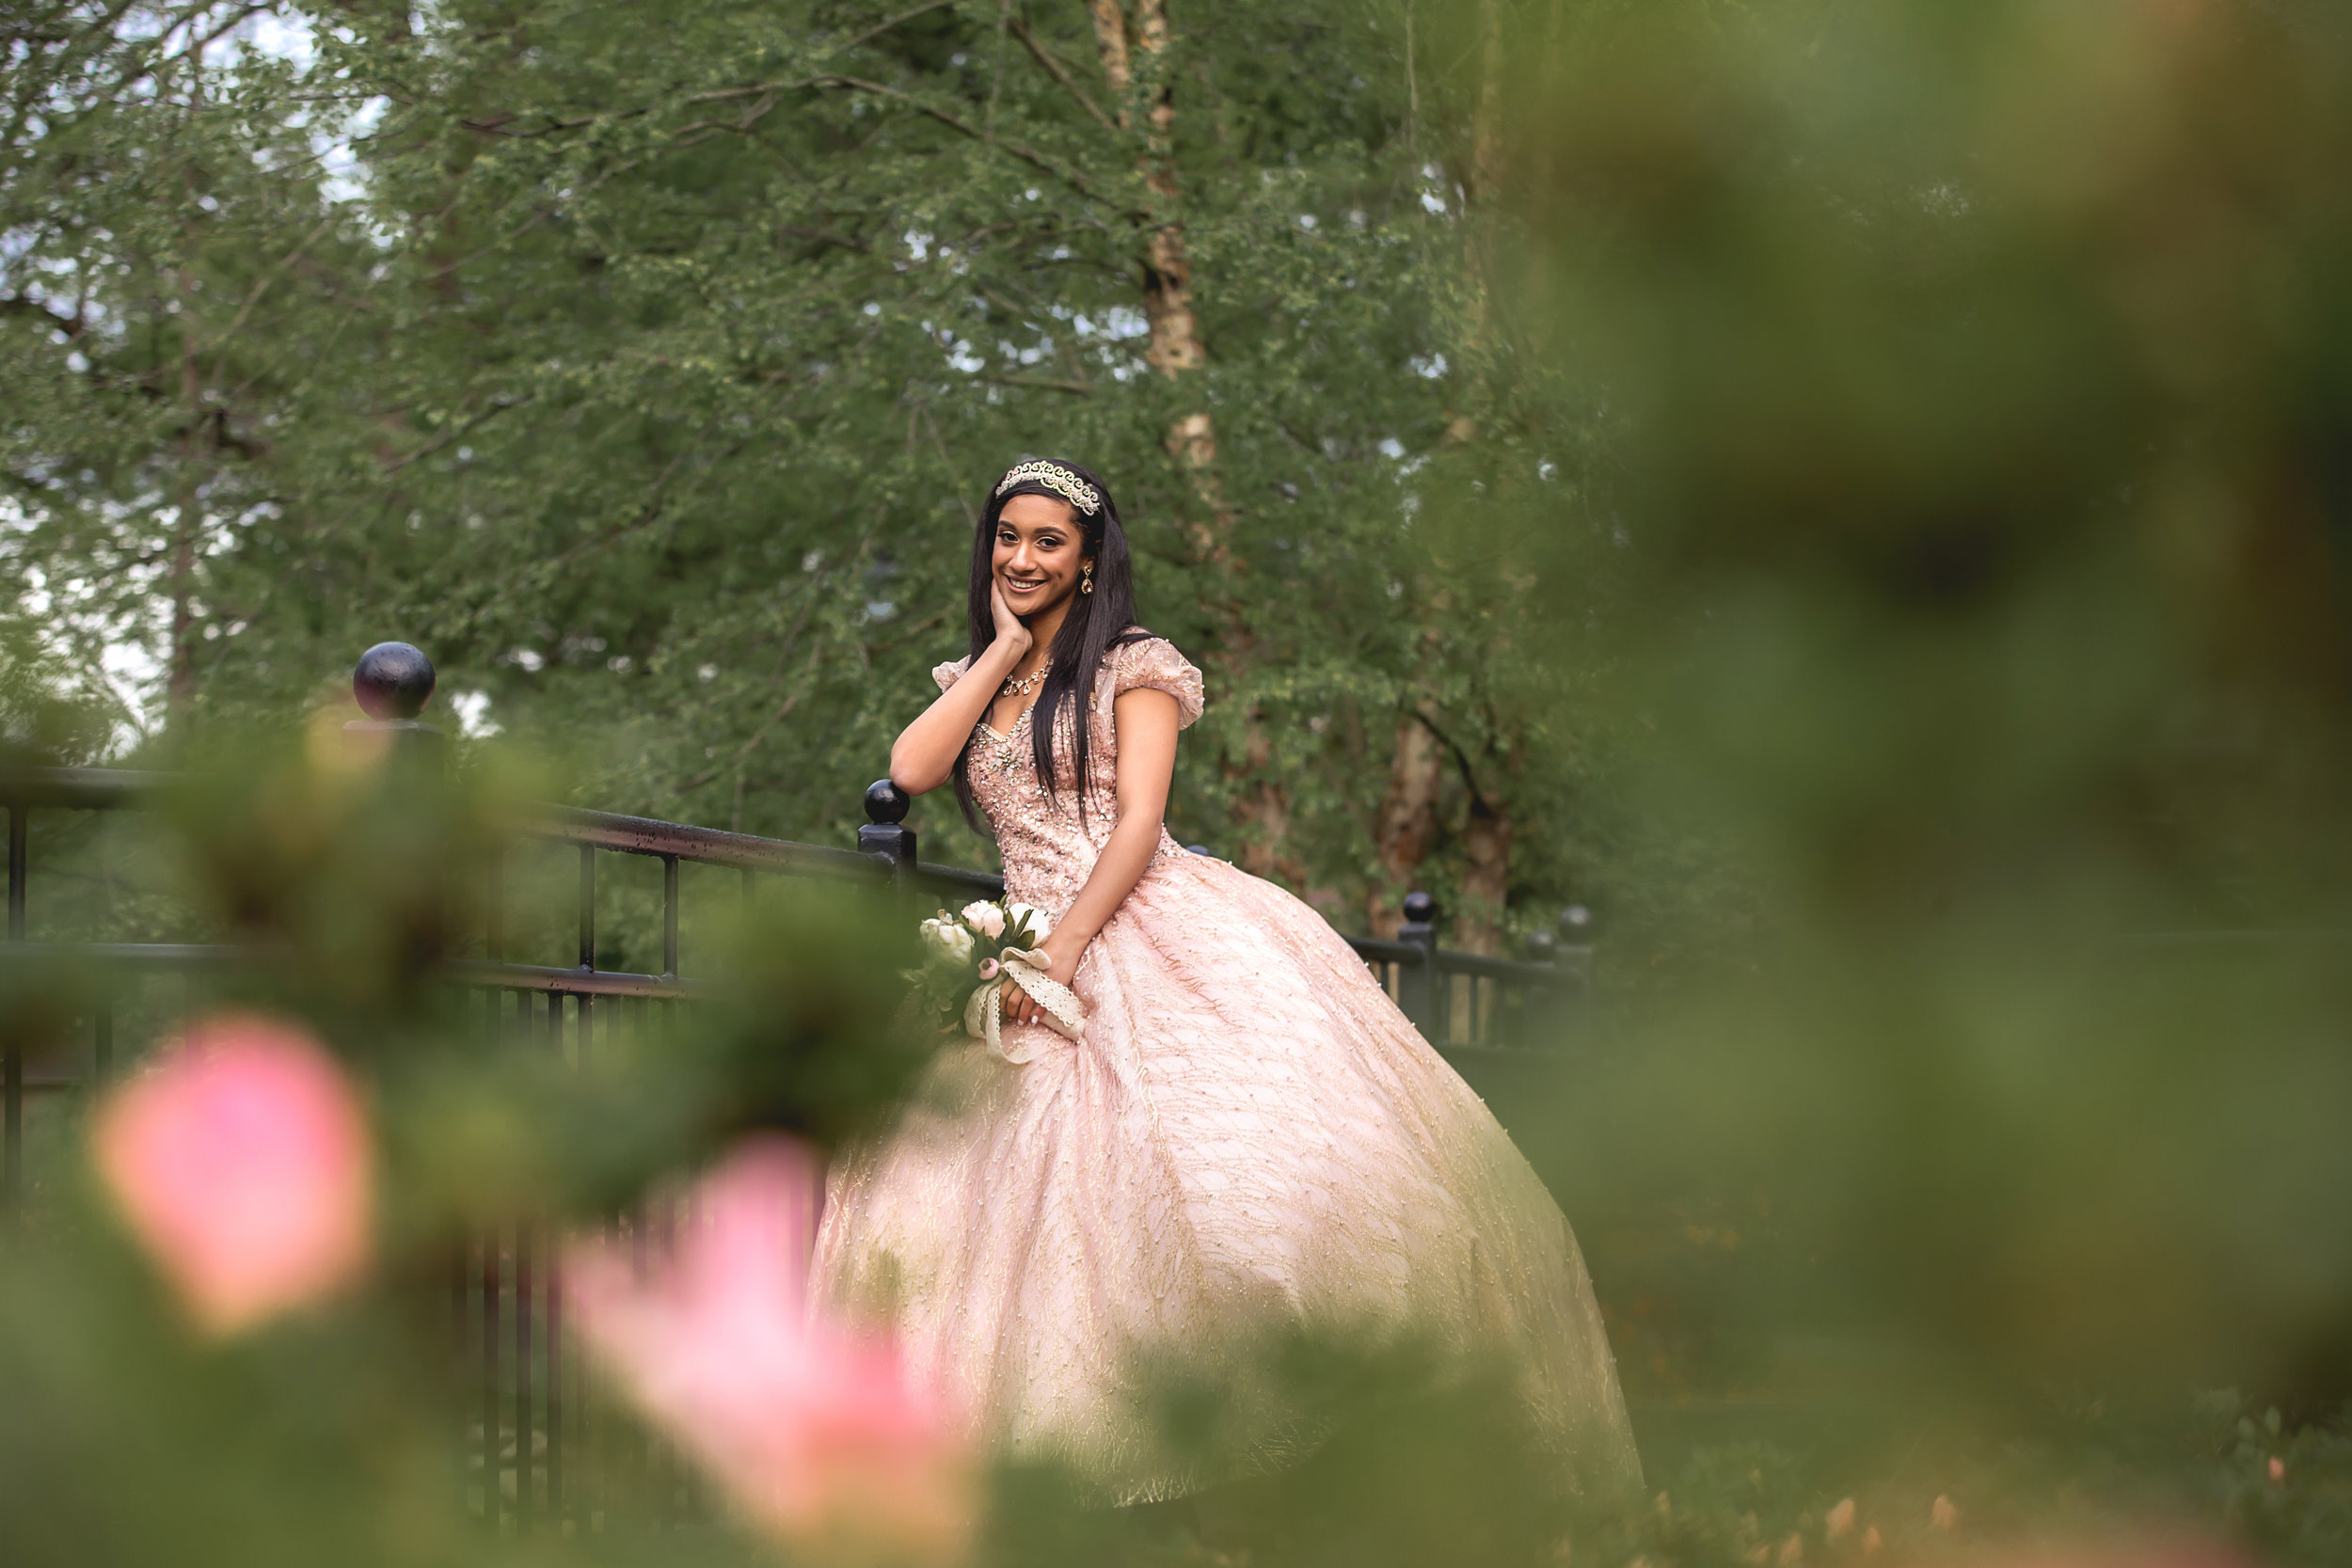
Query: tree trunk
x=1174, y=349
x=1408, y=819
x=1263, y=811
x=1172, y=345
x=1486, y=876
x=1408, y=815
x=1110, y=32
x=1486, y=839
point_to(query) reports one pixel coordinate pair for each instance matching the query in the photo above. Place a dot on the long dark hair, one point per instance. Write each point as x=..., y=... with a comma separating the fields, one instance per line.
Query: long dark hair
x=1096, y=624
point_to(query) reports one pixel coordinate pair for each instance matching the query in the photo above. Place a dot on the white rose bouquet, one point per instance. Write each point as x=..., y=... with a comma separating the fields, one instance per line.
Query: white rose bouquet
x=971, y=956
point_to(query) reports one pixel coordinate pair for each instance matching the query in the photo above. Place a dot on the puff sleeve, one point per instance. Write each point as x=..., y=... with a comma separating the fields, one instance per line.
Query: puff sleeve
x=948, y=674
x=1155, y=662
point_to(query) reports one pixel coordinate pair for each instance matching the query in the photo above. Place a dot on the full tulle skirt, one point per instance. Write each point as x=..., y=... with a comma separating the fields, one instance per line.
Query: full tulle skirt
x=1249, y=1136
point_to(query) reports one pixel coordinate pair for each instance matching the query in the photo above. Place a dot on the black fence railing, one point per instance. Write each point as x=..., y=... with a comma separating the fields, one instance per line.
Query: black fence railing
x=1460, y=1001
x=541, y=1446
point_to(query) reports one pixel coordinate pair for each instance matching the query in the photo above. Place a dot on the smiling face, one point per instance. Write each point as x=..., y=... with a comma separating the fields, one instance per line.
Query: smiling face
x=1039, y=555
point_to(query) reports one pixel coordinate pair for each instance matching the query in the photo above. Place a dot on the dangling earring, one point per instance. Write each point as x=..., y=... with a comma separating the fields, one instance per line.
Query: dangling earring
x=1086, y=579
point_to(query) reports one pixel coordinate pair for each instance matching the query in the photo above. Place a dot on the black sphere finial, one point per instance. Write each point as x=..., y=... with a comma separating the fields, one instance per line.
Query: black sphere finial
x=886, y=802
x=1421, y=908
x=1576, y=924
x=393, y=681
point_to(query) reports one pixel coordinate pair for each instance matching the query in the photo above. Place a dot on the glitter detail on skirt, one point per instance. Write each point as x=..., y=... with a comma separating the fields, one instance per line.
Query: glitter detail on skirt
x=1250, y=1136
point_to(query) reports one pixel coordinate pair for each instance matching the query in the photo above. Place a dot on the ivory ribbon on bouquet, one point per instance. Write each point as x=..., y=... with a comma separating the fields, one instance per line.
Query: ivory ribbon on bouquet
x=983, y=1019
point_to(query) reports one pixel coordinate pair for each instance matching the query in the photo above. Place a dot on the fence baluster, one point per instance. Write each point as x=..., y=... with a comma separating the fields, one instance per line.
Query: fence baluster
x=493, y=1465
x=587, y=905
x=555, y=1384
x=460, y=1321
x=587, y=939
x=552, y=1425
x=524, y=1459
x=669, y=915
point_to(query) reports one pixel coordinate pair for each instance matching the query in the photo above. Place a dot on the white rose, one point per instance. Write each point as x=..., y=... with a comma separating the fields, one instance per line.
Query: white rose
x=949, y=940
x=985, y=918
x=1039, y=927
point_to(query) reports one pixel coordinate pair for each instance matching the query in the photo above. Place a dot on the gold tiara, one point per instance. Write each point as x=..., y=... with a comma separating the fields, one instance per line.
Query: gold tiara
x=1076, y=491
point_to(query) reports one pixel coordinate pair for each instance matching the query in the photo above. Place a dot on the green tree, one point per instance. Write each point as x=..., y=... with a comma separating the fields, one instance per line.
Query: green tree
x=648, y=377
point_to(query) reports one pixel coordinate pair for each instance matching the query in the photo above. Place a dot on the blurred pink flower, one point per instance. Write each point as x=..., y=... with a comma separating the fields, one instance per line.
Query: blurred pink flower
x=812, y=1428
x=240, y=1161
x=1944, y=1514
x=990, y=969
x=1838, y=1524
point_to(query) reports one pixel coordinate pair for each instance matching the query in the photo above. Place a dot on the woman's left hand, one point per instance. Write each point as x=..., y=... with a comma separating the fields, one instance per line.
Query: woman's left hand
x=1018, y=1005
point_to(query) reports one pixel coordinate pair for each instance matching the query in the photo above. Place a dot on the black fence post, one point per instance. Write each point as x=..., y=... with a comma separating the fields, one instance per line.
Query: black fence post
x=885, y=836
x=1417, y=981
x=392, y=683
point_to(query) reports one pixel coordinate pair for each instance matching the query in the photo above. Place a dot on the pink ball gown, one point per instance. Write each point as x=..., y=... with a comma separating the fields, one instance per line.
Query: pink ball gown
x=1249, y=1132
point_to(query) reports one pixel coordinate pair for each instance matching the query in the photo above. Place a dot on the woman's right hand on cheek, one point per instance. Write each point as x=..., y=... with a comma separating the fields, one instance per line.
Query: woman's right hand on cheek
x=1009, y=628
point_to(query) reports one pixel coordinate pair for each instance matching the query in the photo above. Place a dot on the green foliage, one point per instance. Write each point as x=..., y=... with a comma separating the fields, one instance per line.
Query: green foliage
x=1897, y=554
x=648, y=378
x=1977, y=376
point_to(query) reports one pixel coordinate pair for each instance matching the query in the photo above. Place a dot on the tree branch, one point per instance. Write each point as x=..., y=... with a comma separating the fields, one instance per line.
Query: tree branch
x=880, y=28
x=1461, y=757
x=497, y=408
x=1035, y=159
x=1077, y=389
x=1059, y=73
x=261, y=287
x=651, y=511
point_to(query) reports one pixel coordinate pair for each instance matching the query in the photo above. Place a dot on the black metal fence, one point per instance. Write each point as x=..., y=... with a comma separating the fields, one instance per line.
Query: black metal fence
x=1460, y=1001
x=541, y=1447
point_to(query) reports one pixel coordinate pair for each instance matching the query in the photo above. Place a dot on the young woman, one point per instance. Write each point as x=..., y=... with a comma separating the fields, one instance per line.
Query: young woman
x=1247, y=1134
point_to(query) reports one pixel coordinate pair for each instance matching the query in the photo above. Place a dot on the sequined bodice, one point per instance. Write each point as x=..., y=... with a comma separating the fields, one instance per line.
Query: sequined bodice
x=1050, y=843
